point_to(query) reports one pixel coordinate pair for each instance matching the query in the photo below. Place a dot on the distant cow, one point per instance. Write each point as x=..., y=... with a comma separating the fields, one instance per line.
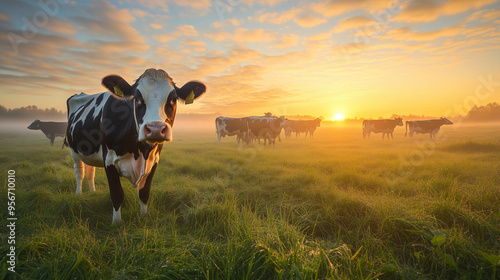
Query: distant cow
x=377, y=126
x=266, y=128
x=427, y=126
x=301, y=126
x=50, y=129
x=232, y=126
x=125, y=135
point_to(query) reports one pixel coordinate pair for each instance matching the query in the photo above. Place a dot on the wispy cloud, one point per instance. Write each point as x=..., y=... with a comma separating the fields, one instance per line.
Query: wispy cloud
x=426, y=10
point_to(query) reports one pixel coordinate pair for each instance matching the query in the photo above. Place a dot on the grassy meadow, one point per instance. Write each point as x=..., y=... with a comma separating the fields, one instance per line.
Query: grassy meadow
x=333, y=207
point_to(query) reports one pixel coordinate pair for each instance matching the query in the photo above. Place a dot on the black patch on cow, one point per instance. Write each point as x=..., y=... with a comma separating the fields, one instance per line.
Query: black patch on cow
x=144, y=192
x=115, y=187
x=171, y=107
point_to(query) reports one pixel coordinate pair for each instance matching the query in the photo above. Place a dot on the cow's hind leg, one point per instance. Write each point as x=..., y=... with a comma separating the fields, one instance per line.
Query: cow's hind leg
x=116, y=192
x=79, y=173
x=144, y=192
x=90, y=173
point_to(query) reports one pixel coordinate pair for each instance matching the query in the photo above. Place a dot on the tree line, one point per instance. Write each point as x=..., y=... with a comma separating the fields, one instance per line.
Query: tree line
x=31, y=112
x=488, y=113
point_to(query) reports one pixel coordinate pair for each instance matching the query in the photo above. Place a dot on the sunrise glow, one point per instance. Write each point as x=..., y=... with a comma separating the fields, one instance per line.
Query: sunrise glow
x=338, y=117
x=377, y=57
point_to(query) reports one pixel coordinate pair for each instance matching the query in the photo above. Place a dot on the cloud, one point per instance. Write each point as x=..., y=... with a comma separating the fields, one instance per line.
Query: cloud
x=338, y=7
x=406, y=34
x=221, y=24
x=278, y=18
x=163, y=38
x=286, y=41
x=4, y=16
x=60, y=26
x=154, y=4
x=263, y=2
x=243, y=35
x=196, y=45
x=185, y=30
x=113, y=33
x=156, y=26
x=354, y=22
x=427, y=10
x=308, y=20
x=489, y=15
x=140, y=13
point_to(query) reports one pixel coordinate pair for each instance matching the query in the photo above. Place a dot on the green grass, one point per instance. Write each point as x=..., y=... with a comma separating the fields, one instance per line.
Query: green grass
x=332, y=207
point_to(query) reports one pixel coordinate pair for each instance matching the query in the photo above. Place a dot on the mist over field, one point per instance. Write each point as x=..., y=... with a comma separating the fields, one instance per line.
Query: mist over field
x=336, y=206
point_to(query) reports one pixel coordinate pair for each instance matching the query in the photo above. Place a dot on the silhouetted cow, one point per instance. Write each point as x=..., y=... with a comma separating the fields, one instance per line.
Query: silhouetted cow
x=385, y=126
x=427, y=126
x=301, y=126
x=125, y=135
x=50, y=129
x=267, y=128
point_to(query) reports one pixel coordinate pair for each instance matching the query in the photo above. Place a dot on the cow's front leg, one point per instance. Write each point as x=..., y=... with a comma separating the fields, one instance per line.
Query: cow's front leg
x=144, y=192
x=116, y=192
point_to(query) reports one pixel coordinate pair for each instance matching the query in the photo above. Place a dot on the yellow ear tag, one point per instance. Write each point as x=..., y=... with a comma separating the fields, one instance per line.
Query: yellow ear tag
x=118, y=91
x=189, y=98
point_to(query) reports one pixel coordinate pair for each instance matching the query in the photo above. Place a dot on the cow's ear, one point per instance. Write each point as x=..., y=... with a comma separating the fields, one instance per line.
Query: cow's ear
x=117, y=85
x=190, y=91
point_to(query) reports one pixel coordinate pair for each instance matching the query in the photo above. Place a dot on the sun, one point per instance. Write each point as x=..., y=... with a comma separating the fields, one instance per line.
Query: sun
x=338, y=117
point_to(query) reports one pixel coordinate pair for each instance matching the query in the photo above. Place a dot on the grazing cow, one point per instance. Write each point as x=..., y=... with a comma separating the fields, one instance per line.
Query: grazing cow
x=266, y=128
x=123, y=130
x=50, y=129
x=427, y=126
x=232, y=126
x=301, y=126
x=385, y=126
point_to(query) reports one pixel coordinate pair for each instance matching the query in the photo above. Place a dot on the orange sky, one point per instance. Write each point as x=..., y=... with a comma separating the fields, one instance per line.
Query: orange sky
x=356, y=57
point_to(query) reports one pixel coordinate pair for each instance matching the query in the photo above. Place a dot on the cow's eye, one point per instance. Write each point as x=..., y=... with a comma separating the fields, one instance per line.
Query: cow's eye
x=173, y=101
x=138, y=102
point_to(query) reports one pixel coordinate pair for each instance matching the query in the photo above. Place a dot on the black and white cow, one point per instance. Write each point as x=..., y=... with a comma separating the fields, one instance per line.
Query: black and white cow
x=232, y=126
x=50, y=129
x=267, y=128
x=123, y=130
x=426, y=126
x=385, y=126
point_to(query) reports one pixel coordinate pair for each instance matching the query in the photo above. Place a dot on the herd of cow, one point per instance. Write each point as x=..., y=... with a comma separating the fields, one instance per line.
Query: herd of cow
x=124, y=129
x=387, y=126
x=267, y=127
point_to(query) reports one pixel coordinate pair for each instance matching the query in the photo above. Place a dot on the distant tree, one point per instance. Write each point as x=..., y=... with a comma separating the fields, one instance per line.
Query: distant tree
x=488, y=113
x=31, y=112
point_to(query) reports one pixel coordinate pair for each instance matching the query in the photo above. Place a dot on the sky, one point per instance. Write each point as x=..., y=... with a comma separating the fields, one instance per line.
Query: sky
x=358, y=58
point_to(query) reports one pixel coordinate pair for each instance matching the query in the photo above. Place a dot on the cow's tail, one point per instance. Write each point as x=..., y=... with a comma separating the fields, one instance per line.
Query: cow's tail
x=65, y=143
x=406, y=133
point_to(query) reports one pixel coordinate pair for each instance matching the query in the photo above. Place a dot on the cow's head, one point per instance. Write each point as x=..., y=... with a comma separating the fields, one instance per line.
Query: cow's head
x=35, y=125
x=399, y=121
x=317, y=122
x=155, y=97
x=446, y=121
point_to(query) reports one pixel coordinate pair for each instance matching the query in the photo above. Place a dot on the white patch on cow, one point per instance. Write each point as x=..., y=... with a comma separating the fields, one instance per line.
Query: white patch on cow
x=155, y=89
x=135, y=170
x=117, y=216
x=144, y=208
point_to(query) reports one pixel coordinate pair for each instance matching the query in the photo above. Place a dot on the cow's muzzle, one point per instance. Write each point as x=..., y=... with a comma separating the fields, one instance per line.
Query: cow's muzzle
x=157, y=132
